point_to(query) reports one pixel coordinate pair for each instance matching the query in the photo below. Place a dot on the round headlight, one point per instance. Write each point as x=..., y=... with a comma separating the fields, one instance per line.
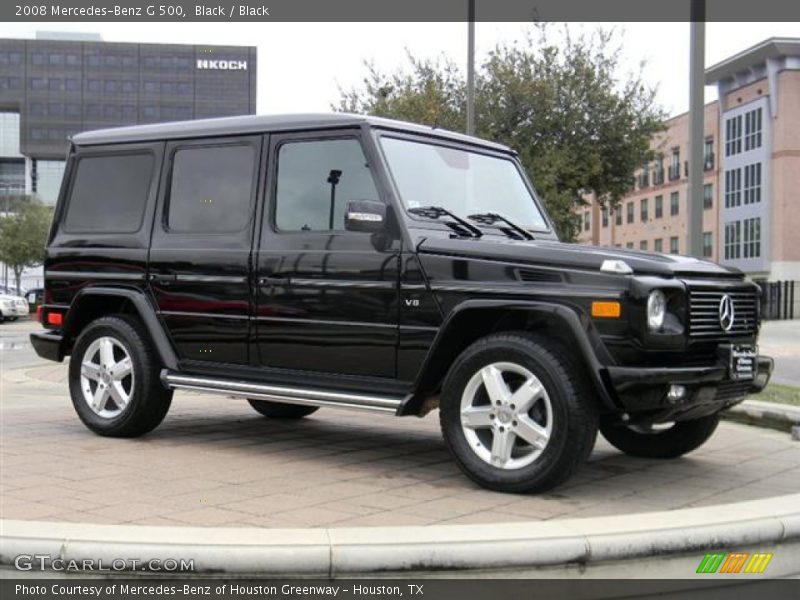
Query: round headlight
x=656, y=309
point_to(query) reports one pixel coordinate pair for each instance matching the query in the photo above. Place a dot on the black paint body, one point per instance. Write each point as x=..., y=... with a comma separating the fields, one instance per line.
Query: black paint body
x=381, y=312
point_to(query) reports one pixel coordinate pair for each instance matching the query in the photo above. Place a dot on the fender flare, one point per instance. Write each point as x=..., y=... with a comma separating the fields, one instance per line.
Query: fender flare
x=588, y=343
x=143, y=307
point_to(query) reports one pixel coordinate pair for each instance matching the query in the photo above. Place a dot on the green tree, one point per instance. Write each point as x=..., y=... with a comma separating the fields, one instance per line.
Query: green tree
x=579, y=124
x=23, y=235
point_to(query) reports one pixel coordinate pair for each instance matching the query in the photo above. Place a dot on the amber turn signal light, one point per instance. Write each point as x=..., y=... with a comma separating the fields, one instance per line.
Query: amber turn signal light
x=606, y=310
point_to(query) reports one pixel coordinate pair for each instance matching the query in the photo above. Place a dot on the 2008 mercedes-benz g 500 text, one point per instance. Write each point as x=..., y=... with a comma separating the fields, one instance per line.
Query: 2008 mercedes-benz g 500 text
x=348, y=261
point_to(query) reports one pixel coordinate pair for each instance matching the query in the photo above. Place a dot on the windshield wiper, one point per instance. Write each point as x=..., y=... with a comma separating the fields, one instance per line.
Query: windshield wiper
x=437, y=212
x=490, y=218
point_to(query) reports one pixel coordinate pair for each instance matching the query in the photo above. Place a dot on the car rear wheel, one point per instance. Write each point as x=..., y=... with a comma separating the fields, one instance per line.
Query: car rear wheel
x=281, y=410
x=114, y=379
x=656, y=441
x=516, y=414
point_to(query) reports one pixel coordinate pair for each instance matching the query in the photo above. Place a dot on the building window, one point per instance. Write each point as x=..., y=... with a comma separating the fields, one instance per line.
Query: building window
x=752, y=183
x=54, y=84
x=643, y=245
x=708, y=154
x=659, y=207
x=73, y=110
x=733, y=135
x=12, y=176
x=674, y=203
x=37, y=58
x=72, y=85
x=587, y=221
x=752, y=238
x=93, y=111
x=708, y=196
x=129, y=87
x=73, y=60
x=618, y=215
x=658, y=245
x=112, y=86
x=93, y=60
x=36, y=109
x=658, y=172
x=629, y=245
x=150, y=111
x=708, y=244
x=673, y=245
x=604, y=212
x=675, y=165
x=38, y=83
x=169, y=88
x=629, y=212
x=151, y=86
x=752, y=129
x=733, y=235
x=94, y=85
x=733, y=188
x=56, y=59
x=643, y=210
x=184, y=89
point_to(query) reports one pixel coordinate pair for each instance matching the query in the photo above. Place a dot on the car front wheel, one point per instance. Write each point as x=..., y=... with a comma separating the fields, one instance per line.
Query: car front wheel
x=660, y=441
x=516, y=414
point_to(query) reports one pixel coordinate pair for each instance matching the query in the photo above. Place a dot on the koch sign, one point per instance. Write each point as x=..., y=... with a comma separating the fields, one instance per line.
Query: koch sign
x=222, y=65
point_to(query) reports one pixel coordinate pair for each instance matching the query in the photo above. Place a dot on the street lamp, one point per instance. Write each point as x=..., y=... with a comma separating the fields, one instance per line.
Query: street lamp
x=471, y=67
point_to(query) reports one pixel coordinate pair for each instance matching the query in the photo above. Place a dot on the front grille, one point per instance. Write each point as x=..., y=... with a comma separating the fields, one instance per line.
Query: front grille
x=704, y=321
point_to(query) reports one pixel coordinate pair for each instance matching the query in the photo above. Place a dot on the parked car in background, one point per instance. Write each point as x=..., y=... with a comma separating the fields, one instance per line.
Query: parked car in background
x=12, y=307
x=34, y=297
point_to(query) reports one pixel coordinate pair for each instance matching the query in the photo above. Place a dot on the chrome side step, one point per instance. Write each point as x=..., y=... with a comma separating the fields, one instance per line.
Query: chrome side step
x=275, y=393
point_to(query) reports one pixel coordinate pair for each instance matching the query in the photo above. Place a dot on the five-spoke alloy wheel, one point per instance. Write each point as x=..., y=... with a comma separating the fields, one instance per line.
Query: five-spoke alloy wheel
x=516, y=414
x=506, y=415
x=114, y=378
x=107, y=378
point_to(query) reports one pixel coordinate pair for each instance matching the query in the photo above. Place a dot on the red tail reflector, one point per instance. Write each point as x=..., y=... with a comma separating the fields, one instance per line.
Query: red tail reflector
x=55, y=318
x=39, y=313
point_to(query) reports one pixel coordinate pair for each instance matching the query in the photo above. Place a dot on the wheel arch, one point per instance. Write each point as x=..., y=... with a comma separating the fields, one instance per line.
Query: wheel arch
x=474, y=319
x=93, y=303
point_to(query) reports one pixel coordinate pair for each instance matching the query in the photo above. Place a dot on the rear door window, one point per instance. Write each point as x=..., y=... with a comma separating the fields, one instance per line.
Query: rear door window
x=211, y=189
x=109, y=193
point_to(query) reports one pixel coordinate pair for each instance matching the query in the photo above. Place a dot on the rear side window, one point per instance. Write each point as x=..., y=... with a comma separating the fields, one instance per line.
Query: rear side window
x=211, y=189
x=110, y=193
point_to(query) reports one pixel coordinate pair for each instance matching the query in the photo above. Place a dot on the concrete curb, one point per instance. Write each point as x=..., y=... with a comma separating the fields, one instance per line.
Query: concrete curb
x=393, y=550
x=783, y=417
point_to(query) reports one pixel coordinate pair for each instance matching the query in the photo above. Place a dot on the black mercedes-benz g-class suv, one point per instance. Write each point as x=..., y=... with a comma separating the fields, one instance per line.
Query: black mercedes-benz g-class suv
x=347, y=261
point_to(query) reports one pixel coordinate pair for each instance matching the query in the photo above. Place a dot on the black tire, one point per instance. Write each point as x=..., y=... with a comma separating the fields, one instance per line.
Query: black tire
x=672, y=442
x=149, y=400
x=280, y=410
x=572, y=406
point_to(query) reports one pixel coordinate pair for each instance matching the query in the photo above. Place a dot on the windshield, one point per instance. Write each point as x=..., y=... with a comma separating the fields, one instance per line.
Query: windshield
x=465, y=183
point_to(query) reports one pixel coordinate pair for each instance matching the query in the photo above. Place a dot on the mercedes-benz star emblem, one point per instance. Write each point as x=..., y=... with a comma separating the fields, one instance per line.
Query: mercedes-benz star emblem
x=727, y=315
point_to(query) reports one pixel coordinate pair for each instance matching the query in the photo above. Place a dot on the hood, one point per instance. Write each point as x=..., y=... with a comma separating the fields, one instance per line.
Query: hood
x=574, y=256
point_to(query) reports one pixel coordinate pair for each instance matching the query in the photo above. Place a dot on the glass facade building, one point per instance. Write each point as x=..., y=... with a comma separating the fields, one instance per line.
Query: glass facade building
x=51, y=89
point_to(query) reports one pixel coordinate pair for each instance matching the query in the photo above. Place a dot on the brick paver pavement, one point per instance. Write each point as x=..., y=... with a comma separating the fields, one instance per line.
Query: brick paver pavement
x=215, y=461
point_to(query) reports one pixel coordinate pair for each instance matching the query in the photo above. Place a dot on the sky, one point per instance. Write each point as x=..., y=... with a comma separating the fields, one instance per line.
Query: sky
x=302, y=66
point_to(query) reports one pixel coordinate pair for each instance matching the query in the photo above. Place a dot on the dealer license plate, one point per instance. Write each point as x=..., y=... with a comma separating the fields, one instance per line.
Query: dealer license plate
x=742, y=365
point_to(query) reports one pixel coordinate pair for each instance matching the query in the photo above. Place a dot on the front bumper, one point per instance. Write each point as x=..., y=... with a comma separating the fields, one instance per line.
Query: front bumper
x=47, y=344
x=643, y=391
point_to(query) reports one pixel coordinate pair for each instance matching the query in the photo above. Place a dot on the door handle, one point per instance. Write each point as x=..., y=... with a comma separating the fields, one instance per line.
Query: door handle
x=282, y=281
x=162, y=277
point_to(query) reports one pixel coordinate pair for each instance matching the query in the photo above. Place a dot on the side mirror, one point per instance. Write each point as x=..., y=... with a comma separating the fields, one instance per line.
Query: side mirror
x=365, y=215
